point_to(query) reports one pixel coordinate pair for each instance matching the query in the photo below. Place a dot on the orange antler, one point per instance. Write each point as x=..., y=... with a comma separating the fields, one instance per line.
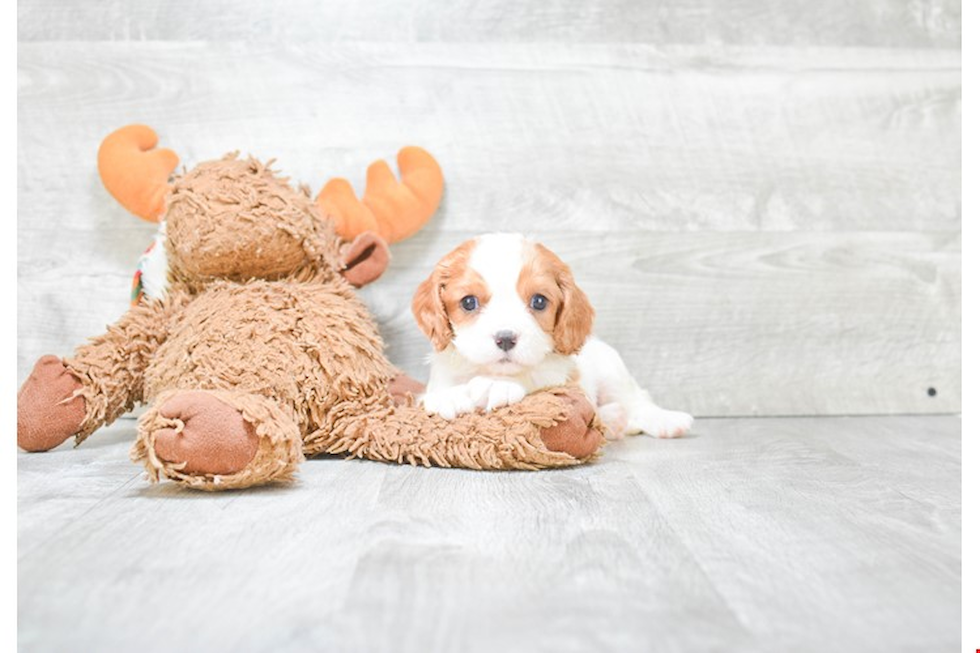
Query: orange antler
x=134, y=173
x=390, y=209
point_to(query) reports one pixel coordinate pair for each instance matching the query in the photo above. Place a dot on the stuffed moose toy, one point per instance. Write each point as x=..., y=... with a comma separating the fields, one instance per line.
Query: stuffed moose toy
x=260, y=352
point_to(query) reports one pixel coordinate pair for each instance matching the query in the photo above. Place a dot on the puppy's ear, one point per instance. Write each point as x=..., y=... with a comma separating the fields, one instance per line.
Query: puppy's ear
x=573, y=324
x=430, y=312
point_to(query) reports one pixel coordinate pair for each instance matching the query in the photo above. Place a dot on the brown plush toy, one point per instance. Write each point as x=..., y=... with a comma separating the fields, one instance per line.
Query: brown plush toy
x=261, y=352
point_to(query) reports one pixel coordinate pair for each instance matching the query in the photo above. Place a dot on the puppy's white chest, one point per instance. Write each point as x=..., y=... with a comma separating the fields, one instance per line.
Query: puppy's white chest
x=554, y=370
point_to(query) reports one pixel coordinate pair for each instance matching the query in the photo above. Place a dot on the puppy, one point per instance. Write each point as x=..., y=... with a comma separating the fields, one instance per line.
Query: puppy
x=506, y=319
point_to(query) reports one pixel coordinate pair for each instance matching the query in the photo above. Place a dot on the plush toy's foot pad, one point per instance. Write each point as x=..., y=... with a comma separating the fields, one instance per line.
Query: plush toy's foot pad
x=218, y=439
x=402, y=387
x=577, y=436
x=208, y=435
x=48, y=412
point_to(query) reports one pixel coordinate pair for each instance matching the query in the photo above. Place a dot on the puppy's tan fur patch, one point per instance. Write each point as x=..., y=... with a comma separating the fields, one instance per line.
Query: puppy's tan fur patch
x=569, y=315
x=436, y=302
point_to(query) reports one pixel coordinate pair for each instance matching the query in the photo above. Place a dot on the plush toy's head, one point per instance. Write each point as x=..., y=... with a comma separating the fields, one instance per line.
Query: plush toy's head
x=235, y=219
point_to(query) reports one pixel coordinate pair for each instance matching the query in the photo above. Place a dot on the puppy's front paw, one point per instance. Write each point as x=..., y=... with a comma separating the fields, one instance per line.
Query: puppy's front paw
x=449, y=402
x=493, y=393
x=662, y=423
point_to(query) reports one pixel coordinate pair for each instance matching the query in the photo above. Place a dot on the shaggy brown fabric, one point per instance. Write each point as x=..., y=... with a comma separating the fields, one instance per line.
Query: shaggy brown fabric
x=234, y=219
x=262, y=352
x=111, y=367
x=506, y=438
x=278, y=454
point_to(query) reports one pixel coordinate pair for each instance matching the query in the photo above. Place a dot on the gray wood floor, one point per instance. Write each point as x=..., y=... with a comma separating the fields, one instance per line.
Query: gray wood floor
x=827, y=534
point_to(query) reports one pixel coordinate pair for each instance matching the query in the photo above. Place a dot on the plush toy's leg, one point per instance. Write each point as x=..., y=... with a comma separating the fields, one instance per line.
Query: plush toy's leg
x=547, y=429
x=218, y=440
x=111, y=366
x=103, y=380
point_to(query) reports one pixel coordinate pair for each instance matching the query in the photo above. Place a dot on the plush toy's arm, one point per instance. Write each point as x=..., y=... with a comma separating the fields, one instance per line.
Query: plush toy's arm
x=555, y=428
x=103, y=379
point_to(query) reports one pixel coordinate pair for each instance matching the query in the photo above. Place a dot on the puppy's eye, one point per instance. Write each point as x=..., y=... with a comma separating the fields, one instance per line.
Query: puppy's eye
x=469, y=303
x=539, y=302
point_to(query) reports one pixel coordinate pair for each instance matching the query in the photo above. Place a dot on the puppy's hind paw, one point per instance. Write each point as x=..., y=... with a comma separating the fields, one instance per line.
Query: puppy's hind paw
x=662, y=423
x=615, y=418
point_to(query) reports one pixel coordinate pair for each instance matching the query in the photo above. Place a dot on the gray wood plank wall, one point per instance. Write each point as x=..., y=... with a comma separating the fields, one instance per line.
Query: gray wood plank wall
x=762, y=199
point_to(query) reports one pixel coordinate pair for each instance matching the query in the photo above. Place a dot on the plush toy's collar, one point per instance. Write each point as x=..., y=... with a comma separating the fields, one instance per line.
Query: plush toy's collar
x=151, y=278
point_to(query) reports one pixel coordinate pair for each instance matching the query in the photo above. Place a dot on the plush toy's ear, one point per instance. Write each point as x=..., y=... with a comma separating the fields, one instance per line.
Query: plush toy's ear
x=365, y=259
x=134, y=173
x=430, y=313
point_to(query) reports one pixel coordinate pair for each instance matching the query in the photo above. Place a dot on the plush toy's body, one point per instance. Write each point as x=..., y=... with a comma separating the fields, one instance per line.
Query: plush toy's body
x=261, y=351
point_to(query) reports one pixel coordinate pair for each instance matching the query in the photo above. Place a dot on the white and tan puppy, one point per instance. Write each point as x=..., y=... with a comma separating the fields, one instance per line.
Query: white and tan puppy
x=506, y=319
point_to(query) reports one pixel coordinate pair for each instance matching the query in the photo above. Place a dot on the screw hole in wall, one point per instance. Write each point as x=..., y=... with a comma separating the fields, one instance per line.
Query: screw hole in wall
x=931, y=392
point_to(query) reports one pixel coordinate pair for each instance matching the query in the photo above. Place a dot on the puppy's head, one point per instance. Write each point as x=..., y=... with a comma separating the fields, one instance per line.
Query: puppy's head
x=504, y=303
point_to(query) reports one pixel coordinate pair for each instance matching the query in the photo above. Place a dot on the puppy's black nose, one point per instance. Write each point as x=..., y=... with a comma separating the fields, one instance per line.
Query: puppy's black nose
x=505, y=339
